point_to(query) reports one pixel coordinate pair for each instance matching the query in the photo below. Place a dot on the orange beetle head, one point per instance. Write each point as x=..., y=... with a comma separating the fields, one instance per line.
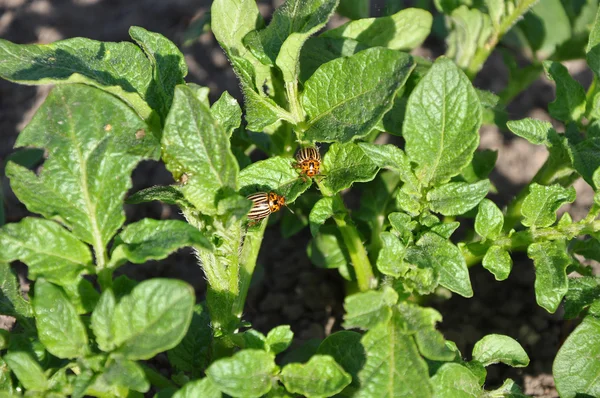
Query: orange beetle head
x=276, y=202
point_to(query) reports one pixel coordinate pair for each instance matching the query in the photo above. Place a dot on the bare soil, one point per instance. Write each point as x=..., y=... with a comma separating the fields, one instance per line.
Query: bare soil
x=287, y=288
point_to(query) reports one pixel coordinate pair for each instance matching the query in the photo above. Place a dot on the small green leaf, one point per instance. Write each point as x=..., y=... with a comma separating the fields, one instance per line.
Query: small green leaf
x=227, y=113
x=274, y=174
x=102, y=321
x=280, y=338
x=489, y=220
x=150, y=239
x=167, y=194
x=346, y=349
x=540, y=205
x=495, y=348
x=367, y=80
x=403, y=224
x=94, y=141
x=168, y=67
x=470, y=30
x=551, y=261
x=581, y=294
x=345, y=164
x=533, y=130
x=324, y=209
x=192, y=353
x=317, y=51
x=498, y=262
x=443, y=116
x=576, y=369
x=27, y=369
x=59, y=327
x=127, y=374
x=198, y=388
x=569, y=105
x=366, y=310
x=119, y=68
x=453, y=380
x=193, y=143
x=12, y=302
x=247, y=374
x=456, y=198
x=393, y=158
x=321, y=376
x=390, y=260
x=447, y=260
x=153, y=318
x=404, y=30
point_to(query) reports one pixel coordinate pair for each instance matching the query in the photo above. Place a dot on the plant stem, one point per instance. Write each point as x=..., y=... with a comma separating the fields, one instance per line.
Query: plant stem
x=105, y=278
x=247, y=263
x=295, y=108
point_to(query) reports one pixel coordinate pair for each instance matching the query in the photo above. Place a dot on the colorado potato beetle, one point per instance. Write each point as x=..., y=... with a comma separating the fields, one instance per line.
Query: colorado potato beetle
x=308, y=160
x=264, y=203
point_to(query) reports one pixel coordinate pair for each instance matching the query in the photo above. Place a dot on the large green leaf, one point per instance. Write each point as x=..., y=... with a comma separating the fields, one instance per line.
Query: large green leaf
x=59, y=327
x=119, y=68
x=443, y=116
x=346, y=348
x=551, y=261
x=247, y=374
x=47, y=248
x=168, y=68
x=321, y=376
x=540, y=205
x=404, y=30
x=194, y=144
x=153, y=318
x=576, y=367
x=94, y=141
x=345, y=164
x=366, y=81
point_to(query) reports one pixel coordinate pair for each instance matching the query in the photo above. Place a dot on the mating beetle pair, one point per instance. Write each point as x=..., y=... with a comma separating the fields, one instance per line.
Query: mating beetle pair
x=308, y=160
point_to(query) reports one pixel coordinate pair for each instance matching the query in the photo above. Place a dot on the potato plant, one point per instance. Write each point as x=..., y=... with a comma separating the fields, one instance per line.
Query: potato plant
x=83, y=332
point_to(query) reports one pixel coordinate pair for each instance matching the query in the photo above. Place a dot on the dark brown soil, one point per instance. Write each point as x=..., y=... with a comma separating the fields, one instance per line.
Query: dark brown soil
x=287, y=288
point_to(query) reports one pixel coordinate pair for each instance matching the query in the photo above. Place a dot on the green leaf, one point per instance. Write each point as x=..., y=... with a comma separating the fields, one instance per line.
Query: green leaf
x=569, y=105
x=193, y=143
x=168, y=67
x=317, y=51
x=12, y=302
x=153, y=318
x=82, y=294
x=367, y=81
x=354, y=9
x=495, y=348
x=393, y=158
x=404, y=30
x=27, y=369
x=366, y=310
x=6, y=380
x=274, y=174
x=119, y=68
x=540, y=205
x=586, y=159
x=192, y=353
x=533, y=130
x=47, y=248
x=453, y=380
x=198, y=388
x=321, y=376
x=576, y=369
x=390, y=260
x=489, y=220
x=593, y=46
x=581, y=294
x=127, y=374
x=280, y=338
x=551, y=261
x=443, y=116
x=456, y=198
x=59, y=327
x=167, y=194
x=150, y=239
x=446, y=259
x=498, y=262
x=231, y=20
x=546, y=26
x=324, y=209
x=246, y=374
x=508, y=389
x=470, y=30
x=227, y=113
x=327, y=250
x=346, y=349
x=94, y=141
x=393, y=367
x=102, y=321
x=345, y=164
x=480, y=167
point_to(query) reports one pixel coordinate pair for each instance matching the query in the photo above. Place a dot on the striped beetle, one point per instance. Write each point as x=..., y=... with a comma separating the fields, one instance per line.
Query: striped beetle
x=308, y=160
x=264, y=203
